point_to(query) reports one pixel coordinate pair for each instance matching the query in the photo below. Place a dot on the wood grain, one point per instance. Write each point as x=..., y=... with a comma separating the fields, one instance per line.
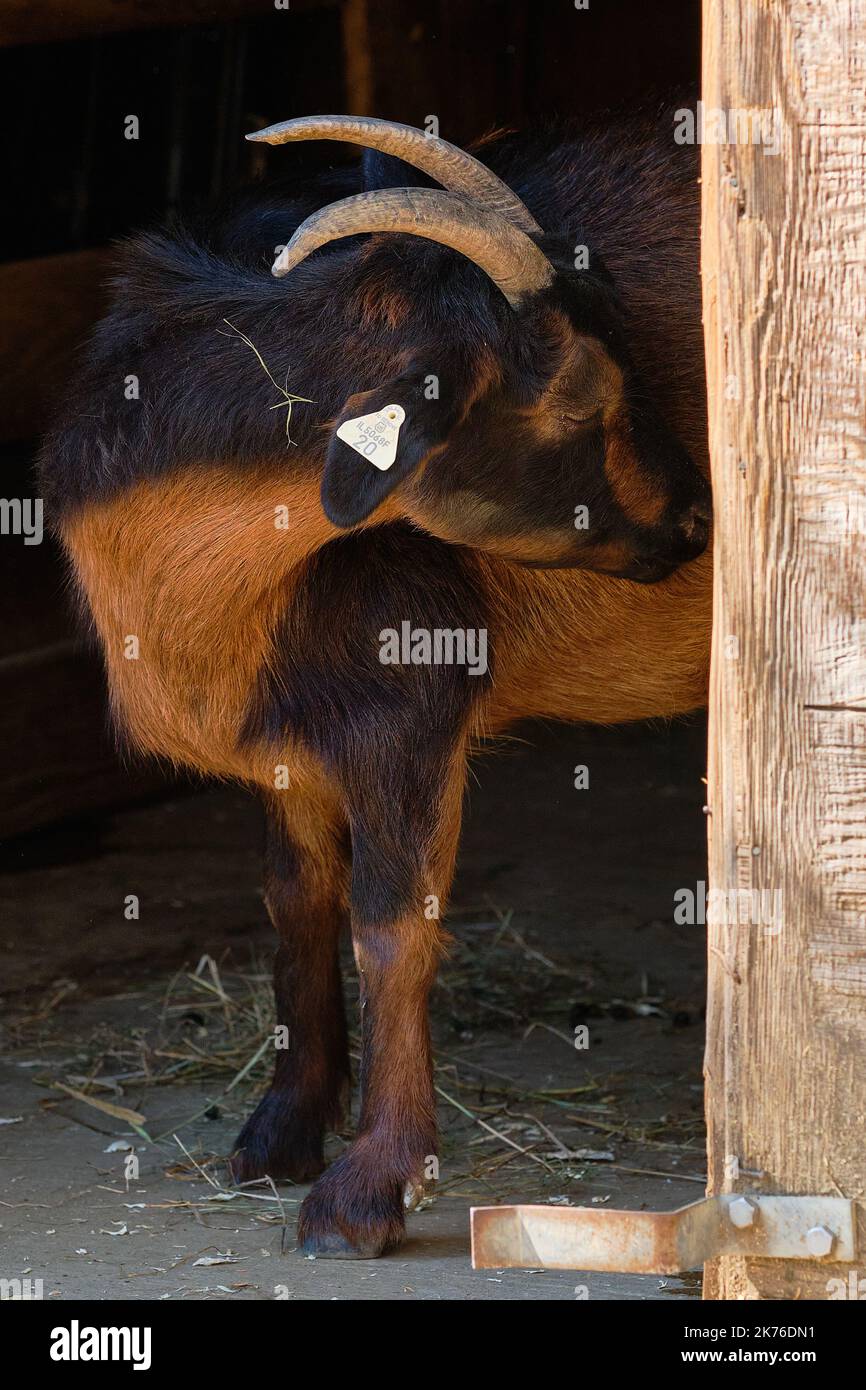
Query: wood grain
x=784, y=245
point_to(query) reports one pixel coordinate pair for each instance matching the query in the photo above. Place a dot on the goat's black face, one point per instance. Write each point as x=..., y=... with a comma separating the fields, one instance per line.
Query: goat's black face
x=515, y=423
x=547, y=451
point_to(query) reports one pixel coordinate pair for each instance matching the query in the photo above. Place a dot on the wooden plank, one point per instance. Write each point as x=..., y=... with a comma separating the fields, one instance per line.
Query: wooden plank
x=358, y=58
x=46, y=307
x=57, y=757
x=784, y=244
x=50, y=21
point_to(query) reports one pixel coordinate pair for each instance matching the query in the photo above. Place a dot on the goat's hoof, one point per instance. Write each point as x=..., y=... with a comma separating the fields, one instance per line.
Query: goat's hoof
x=331, y=1245
x=271, y=1145
x=346, y=1218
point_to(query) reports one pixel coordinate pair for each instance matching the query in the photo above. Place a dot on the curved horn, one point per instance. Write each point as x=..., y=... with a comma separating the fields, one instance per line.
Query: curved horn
x=513, y=262
x=456, y=170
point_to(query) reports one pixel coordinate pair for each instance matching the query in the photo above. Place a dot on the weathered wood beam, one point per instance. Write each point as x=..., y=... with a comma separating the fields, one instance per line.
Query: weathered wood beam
x=784, y=248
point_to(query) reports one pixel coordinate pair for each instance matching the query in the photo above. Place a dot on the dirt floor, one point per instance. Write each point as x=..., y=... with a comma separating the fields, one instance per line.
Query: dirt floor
x=562, y=916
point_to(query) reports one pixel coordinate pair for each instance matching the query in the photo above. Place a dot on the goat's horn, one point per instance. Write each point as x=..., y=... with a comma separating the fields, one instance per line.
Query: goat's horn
x=456, y=170
x=513, y=262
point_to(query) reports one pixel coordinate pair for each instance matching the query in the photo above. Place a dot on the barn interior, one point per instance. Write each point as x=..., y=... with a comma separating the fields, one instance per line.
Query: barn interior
x=134, y=1041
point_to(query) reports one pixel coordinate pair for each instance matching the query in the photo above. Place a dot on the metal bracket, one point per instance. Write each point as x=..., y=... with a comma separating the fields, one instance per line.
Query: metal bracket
x=663, y=1242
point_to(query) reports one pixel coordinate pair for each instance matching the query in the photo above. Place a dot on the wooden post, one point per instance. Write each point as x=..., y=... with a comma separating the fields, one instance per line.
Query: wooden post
x=784, y=248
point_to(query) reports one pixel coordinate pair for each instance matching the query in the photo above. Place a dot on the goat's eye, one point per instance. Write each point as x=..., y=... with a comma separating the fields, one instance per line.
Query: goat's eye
x=574, y=417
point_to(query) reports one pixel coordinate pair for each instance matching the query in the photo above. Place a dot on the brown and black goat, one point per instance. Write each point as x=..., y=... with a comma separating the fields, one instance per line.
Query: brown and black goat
x=545, y=485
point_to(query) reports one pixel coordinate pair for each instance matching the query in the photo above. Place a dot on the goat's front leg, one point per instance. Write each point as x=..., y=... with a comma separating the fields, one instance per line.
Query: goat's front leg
x=403, y=862
x=306, y=892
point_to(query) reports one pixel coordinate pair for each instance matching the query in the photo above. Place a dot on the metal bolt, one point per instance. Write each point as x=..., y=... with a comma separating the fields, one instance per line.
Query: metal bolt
x=820, y=1241
x=742, y=1212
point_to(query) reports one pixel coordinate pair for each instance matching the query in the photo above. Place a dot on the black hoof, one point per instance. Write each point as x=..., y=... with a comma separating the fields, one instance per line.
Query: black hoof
x=349, y=1215
x=331, y=1245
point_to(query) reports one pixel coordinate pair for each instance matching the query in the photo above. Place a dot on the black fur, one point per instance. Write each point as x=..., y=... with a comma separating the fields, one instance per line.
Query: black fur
x=203, y=397
x=285, y=1134
x=386, y=733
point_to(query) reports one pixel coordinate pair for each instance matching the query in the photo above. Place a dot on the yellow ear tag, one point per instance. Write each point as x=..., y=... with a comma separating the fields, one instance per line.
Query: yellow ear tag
x=375, y=435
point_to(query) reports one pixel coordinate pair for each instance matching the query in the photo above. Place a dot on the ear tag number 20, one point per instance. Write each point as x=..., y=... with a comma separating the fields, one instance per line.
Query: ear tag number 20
x=375, y=435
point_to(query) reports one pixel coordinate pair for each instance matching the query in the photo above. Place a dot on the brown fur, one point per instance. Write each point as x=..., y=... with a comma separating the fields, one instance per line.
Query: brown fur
x=356, y=1208
x=204, y=596
x=257, y=643
x=633, y=490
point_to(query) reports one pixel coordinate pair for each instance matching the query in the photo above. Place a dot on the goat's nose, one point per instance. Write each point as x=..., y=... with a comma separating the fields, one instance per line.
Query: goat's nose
x=694, y=527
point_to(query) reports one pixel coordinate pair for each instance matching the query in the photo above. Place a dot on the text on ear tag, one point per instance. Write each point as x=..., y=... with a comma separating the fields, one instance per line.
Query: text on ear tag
x=374, y=435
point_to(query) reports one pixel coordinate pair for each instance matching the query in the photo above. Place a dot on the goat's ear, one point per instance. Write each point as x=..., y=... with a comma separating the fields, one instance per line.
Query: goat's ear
x=381, y=436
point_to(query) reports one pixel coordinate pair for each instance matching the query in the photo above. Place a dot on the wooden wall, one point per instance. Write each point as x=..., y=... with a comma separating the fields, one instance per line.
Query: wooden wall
x=785, y=305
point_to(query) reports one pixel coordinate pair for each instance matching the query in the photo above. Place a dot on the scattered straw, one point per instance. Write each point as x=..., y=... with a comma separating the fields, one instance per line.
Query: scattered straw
x=289, y=399
x=504, y=1131
x=118, y=1112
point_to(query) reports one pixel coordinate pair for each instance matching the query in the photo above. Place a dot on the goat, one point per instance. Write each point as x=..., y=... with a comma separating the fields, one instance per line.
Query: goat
x=258, y=577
